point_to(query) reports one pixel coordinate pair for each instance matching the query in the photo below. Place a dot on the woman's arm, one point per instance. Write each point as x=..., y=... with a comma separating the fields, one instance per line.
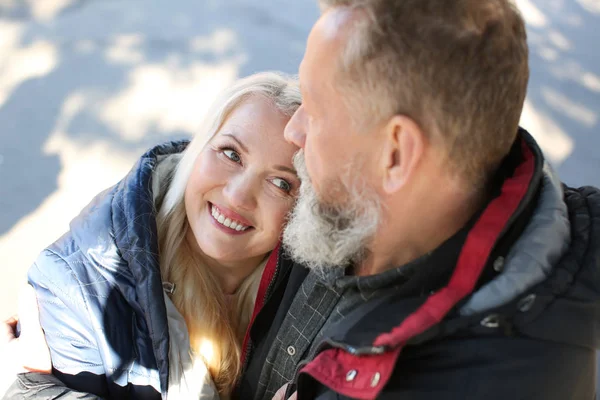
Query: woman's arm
x=68, y=327
x=26, y=350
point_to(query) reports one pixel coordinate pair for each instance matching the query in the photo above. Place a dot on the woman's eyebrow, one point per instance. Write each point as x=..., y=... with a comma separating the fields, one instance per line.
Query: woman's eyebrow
x=238, y=141
x=282, y=168
x=285, y=169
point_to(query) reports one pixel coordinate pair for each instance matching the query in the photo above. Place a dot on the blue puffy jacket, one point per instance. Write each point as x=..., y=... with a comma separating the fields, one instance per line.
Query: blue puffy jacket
x=100, y=292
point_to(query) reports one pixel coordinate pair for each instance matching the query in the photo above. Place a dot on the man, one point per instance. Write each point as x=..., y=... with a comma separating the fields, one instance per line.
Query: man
x=445, y=260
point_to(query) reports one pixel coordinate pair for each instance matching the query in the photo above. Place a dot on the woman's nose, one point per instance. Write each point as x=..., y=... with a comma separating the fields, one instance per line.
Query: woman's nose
x=240, y=192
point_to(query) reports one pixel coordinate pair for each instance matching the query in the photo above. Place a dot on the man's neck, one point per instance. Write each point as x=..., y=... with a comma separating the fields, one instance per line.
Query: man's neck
x=411, y=235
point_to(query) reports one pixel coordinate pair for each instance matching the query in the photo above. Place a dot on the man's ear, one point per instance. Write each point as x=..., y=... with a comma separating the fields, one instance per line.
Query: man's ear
x=404, y=147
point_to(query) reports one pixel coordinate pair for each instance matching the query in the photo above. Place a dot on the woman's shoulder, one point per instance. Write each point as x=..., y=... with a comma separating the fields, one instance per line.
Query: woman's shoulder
x=114, y=236
x=84, y=257
x=122, y=218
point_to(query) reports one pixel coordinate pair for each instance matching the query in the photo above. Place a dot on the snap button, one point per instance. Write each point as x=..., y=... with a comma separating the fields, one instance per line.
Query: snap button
x=526, y=303
x=499, y=264
x=351, y=375
x=491, y=321
x=291, y=350
x=375, y=379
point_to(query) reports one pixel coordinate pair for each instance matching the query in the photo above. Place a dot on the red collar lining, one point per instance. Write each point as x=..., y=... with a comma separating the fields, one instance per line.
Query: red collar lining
x=473, y=257
x=265, y=281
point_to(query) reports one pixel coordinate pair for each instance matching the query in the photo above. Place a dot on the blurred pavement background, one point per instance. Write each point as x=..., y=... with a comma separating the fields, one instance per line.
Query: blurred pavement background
x=87, y=85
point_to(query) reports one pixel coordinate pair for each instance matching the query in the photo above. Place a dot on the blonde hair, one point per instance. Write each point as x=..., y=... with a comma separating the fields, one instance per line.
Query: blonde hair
x=198, y=295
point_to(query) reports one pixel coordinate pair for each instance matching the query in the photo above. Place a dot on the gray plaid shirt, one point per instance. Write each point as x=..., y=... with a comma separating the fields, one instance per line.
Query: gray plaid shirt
x=320, y=303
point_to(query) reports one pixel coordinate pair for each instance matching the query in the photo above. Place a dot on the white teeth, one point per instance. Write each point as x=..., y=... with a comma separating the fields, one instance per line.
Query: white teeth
x=227, y=221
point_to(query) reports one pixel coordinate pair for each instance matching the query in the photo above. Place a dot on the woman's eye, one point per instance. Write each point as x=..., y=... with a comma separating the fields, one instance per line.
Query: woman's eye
x=232, y=155
x=282, y=184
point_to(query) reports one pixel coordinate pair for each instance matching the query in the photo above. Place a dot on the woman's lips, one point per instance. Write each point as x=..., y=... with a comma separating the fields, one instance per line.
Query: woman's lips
x=228, y=220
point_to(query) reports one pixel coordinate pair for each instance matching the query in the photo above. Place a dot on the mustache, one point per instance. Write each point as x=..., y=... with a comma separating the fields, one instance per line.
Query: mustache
x=300, y=166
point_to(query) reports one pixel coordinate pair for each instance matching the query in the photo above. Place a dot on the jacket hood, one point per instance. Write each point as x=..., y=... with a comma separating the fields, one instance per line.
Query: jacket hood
x=533, y=256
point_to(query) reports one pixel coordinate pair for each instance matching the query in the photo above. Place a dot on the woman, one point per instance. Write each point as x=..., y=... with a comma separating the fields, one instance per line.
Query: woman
x=155, y=284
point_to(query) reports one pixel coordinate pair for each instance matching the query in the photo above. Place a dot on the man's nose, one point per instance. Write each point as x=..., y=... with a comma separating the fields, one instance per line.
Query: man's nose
x=295, y=129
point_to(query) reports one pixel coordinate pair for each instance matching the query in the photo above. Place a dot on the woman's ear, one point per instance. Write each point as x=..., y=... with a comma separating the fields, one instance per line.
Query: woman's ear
x=404, y=146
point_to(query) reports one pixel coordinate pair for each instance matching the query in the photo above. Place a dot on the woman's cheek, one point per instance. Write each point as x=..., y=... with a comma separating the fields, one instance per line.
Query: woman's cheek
x=208, y=164
x=212, y=172
x=282, y=213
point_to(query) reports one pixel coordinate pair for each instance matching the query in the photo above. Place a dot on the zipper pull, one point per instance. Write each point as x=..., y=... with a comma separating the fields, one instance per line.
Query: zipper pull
x=168, y=287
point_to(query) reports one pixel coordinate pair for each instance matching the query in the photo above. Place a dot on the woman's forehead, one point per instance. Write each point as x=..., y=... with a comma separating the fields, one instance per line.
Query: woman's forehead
x=256, y=112
x=257, y=125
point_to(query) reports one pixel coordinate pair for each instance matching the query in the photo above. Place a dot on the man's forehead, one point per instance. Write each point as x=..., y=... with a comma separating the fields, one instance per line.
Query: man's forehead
x=329, y=35
x=304, y=69
x=322, y=40
x=323, y=46
x=302, y=75
x=308, y=73
x=335, y=22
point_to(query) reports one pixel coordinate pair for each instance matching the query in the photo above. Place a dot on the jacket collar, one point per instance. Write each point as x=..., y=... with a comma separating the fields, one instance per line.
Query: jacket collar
x=267, y=281
x=440, y=283
x=131, y=243
x=534, y=255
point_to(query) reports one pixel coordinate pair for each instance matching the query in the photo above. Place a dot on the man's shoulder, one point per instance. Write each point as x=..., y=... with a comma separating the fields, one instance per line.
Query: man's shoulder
x=583, y=200
x=476, y=362
x=480, y=366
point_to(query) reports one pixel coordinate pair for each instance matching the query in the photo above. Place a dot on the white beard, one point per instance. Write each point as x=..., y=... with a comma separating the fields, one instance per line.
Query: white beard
x=328, y=236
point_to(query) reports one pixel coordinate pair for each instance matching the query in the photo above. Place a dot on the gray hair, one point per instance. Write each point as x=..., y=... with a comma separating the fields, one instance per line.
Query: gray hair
x=458, y=68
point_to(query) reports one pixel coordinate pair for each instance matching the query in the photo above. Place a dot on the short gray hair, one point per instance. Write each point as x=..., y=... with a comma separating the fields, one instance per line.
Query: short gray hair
x=459, y=68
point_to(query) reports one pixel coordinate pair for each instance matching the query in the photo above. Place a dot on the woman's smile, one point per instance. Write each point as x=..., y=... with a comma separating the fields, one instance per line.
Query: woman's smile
x=228, y=221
